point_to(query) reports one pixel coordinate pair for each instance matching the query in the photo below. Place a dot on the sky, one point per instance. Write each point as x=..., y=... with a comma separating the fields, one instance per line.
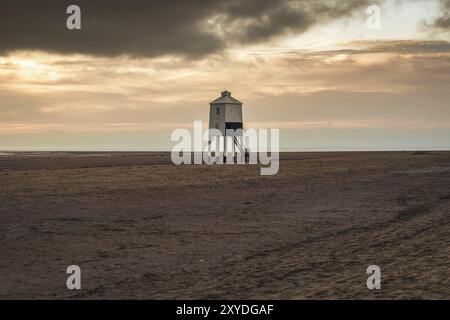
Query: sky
x=137, y=70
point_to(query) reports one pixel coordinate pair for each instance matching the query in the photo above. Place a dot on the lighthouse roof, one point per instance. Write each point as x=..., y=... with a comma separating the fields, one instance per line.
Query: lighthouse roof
x=226, y=98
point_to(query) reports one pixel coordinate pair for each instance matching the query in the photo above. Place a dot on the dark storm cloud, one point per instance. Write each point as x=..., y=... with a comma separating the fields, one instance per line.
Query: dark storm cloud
x=158, y=27
x=443, y=22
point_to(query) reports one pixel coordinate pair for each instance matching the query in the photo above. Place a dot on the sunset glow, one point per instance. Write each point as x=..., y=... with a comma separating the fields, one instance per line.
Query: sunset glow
x=337, y=74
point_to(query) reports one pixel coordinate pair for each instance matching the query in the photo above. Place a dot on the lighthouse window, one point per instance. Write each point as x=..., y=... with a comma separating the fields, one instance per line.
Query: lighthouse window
x=217, y=111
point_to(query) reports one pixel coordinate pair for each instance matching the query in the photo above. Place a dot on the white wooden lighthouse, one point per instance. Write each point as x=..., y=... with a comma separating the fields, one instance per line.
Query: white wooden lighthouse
x=226, y=114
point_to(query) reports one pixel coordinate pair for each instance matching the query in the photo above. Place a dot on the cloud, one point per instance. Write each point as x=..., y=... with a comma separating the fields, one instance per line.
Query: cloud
x=160, y=27
x=443, y=22
x=390, y=46
x=105, y=90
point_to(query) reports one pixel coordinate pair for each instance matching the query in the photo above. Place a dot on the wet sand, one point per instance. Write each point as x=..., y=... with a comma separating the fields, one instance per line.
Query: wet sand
x=141, y=227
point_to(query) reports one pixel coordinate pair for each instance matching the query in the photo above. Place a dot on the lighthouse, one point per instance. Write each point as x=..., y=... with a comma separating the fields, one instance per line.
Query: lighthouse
x=226, y=115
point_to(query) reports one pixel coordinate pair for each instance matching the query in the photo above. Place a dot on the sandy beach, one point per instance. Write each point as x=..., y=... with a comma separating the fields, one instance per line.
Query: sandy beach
x=140, y=227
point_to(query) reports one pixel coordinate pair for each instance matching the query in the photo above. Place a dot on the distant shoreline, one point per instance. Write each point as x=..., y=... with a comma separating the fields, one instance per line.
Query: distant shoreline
x=11, y=152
